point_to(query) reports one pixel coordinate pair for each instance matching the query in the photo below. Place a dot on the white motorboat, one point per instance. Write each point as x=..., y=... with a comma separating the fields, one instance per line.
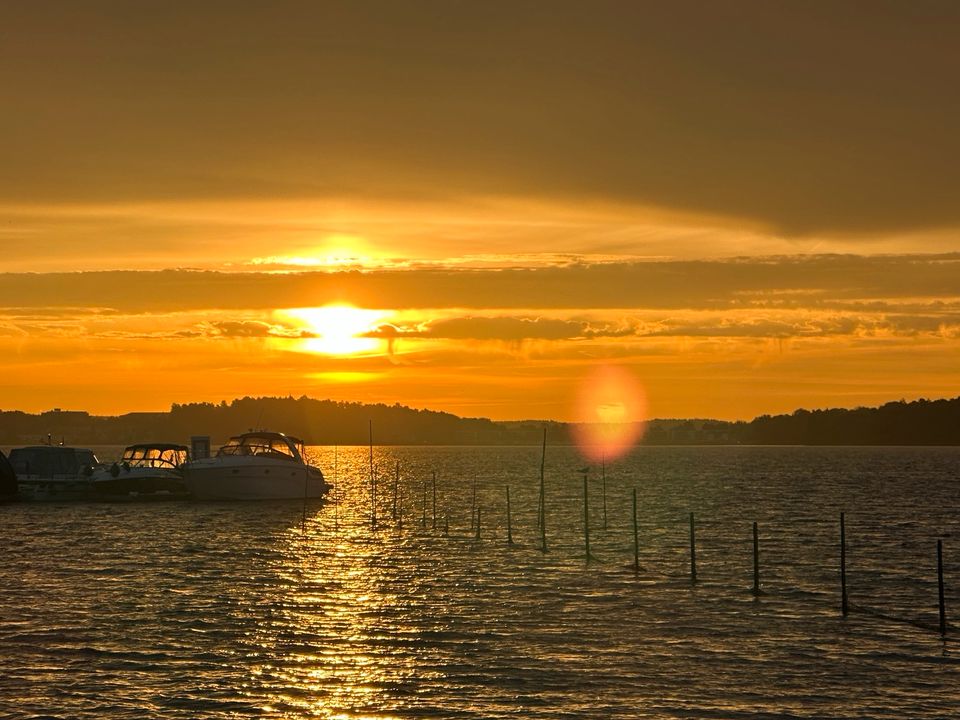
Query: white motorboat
x=54, y=472
x=145, y=471
x=255, y=466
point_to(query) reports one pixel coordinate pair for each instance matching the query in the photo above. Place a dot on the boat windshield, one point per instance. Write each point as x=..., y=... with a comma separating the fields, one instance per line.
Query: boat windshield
x=148, y=457
x=260, y=445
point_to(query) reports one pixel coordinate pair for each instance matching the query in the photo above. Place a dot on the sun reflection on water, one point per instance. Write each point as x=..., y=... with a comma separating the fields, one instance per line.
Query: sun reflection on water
x=339, y=643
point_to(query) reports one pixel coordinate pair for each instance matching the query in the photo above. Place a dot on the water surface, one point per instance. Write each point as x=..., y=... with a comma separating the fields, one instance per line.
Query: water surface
x=226, y=610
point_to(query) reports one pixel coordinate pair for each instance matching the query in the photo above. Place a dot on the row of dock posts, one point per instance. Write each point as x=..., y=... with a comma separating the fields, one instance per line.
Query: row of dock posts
x=475, y=515
x=475, y=525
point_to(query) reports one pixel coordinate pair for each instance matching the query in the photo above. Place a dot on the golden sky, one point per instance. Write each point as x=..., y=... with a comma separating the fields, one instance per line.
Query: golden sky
x=748, y=206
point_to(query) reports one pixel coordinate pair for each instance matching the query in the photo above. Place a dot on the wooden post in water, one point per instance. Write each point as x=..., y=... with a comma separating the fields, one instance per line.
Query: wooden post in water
x=541, y=508
x=756, y=560
x=434, y=485
x=543, y=523
x=943, y=607
x=336, y=491
x=423, y=519
x=477, y=535
x=396, y=489
x=303, y=526
x=399, y=508
x=473, y=506
x=586, y=519
x=373, y=483
x=509, y=520
x=693, y=551
x=543, y=495
x=603, y=485
x=636, y=541
x=844, y=604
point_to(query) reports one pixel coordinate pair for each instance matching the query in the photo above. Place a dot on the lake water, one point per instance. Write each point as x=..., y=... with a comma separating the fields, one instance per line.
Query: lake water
x=231, y=610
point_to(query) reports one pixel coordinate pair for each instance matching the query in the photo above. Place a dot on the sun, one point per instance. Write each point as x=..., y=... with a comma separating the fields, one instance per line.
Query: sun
x=337, y=329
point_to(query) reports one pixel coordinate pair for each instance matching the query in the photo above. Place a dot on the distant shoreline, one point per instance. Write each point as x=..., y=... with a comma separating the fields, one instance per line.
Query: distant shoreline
x=921, y=423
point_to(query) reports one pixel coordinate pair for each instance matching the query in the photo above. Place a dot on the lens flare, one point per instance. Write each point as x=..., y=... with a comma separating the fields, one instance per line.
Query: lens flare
x=611, y=413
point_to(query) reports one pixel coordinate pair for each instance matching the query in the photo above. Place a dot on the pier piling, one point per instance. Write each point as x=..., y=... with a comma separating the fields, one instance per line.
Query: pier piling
x=399, y=500
x=603, y=489
x=636, y=541
x=943, y=607
x=423, y=518
x=396, y=489
x=756, y=560
x=373, y=482
x=473, y=506
x=303, y=522
x=541, y=498
x=434, y=484
x=844, y=604
x=586, y=519
x=477, y=532
x=543, y=523
x=509, y=520
x=693, y=551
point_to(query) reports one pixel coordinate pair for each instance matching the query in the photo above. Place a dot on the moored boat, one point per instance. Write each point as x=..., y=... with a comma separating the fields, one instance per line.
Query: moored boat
x=255, y=466
x=146, y=471
x=8, y=480
x=54, y=472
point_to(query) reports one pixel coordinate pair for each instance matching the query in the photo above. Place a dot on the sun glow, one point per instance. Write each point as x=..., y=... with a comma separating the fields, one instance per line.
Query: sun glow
x=337, y=252
x=611, y=411
x=336, y=329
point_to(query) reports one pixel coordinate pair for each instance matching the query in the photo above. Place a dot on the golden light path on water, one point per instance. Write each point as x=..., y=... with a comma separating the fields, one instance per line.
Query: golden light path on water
x=278, y=610
x=315, y=679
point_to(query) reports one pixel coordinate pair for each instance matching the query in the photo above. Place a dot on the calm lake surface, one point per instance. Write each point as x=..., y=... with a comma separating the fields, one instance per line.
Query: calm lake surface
x=231, y=610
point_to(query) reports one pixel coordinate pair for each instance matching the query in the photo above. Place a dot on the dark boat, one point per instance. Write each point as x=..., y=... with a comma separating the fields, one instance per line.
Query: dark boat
x=8, y=480
x=53, y=472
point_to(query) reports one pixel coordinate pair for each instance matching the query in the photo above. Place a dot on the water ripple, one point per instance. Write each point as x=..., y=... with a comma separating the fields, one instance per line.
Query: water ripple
x=222, y=610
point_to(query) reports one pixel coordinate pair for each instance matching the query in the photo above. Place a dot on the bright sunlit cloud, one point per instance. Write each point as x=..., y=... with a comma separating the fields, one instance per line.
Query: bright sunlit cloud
x=337, y=252
x=336, y=329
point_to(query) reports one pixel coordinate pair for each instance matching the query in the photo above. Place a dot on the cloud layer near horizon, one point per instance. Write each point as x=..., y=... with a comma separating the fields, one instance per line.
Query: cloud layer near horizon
x=724, y=338
x=769, y=282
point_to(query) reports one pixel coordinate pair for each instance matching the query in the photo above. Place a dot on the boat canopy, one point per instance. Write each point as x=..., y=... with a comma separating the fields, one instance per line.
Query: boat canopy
x=51, y=460
x=269, y=444
x=155, y=455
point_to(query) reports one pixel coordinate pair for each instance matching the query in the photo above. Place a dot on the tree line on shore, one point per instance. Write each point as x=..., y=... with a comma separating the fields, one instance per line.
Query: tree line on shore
x=329, y=422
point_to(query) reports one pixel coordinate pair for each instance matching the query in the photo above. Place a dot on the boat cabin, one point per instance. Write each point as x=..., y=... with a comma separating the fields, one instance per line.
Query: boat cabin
x=154, y=455
x=8, y=478
x=265, y=444
x=52, y=461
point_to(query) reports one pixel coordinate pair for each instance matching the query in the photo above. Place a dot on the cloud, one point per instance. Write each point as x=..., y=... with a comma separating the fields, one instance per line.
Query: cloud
x=252, y=329
x=489, y=328
x=699, y=324
x=818, y=281
x=711, y=108
x=11, y=330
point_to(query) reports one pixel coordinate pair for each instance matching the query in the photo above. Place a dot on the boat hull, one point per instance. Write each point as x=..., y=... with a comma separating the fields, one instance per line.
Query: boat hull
x=140, y=484
x=40, y=489
x=218, y=479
